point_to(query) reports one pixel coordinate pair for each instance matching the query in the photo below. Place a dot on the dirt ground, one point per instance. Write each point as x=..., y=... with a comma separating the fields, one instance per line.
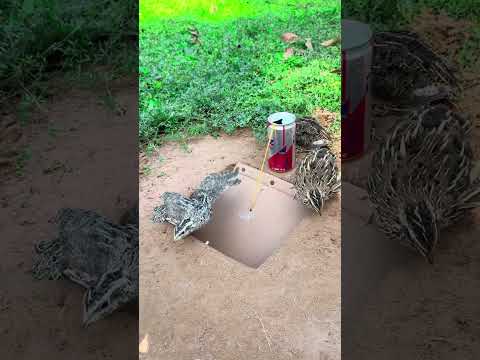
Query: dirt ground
x=86, y=162
x=396, y=305
x=196, y=303
x=407, y=308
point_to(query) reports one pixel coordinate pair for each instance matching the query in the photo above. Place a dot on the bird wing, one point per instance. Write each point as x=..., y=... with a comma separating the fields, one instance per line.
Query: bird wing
x=71, y=220
x=87, y=244
x=173, y=209
x=308, y=130
x=214, y=184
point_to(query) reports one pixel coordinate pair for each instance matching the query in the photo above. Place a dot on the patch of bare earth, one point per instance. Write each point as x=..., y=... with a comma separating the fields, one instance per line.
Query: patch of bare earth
x=444, y=34
x=326, y=119
x=11, y=141
x=422, y=311
x=447, y=37
x=196, y=303
x=89, y=162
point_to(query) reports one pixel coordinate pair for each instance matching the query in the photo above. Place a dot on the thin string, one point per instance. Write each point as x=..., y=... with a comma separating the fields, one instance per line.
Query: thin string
x=260, y=175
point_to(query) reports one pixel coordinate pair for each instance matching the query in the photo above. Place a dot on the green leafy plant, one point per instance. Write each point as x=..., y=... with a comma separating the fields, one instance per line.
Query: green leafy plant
x=40, y=39
x=216, y=66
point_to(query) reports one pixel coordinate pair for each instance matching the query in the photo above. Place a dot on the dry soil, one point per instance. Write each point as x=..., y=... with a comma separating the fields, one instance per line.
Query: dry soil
x=196, y=303
x=81, y=156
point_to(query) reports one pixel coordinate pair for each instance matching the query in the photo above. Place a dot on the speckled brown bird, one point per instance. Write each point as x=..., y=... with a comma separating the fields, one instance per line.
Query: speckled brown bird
x=95, y=253
x=406, y=72
x=422, y=177
x=188, y=214
x=308, y=130
x=317, y=177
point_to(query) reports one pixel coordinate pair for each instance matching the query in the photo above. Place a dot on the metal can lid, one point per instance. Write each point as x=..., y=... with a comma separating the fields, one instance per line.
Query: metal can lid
x=282, y=118
x=355, y=34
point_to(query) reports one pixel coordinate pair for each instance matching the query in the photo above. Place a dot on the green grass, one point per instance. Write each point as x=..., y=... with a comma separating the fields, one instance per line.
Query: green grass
x=237, y=76
x=45, y=39
x=392, y=14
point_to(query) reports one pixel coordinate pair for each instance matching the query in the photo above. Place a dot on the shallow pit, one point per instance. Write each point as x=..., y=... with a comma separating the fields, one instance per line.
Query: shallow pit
x=250, y=237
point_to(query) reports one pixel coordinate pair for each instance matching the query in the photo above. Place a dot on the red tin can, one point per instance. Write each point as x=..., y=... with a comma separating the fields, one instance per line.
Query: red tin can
x=356, y=69
x=282, y=145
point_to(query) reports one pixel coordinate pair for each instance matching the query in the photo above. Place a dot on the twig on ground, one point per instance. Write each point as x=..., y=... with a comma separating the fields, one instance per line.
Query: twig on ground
x=264, y=331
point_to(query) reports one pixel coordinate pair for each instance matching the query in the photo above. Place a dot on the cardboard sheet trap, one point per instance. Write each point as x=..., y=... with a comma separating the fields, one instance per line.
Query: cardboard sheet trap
x=251, y=237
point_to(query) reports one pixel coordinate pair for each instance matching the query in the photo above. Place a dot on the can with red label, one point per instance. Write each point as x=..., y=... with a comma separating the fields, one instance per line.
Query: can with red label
x=281, y=156
x=356, y=69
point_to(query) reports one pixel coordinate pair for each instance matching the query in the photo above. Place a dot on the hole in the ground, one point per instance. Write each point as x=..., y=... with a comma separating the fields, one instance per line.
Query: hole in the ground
x=249, y=235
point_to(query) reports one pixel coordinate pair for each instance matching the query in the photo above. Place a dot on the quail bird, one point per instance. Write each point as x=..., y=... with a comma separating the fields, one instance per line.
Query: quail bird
x=188, y=214
x=421, y=179
x=308, y=130
x=100, y=256
x=408, y=72
x=317, y=178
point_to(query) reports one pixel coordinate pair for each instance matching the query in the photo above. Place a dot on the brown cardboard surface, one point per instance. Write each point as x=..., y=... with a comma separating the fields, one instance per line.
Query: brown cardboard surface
x=251, y=237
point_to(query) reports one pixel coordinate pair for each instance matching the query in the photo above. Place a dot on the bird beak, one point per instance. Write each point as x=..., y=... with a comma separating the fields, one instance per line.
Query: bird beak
x=182, y=230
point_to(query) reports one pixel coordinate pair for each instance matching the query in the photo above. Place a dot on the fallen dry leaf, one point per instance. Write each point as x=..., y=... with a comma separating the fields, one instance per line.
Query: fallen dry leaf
x=308, y=43
x=144, y=345
x=324, y=117
x=288, y=53
x=331, y=42
x=337, y=71
x=289, y=37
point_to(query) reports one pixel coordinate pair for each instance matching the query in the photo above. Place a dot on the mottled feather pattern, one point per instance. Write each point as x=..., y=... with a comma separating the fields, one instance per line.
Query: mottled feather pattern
x=407, y=72
x=420, y=178
x=317, y=178
x=188, y=214
x=308, y=130
x=87, y=248
x=215, y=184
